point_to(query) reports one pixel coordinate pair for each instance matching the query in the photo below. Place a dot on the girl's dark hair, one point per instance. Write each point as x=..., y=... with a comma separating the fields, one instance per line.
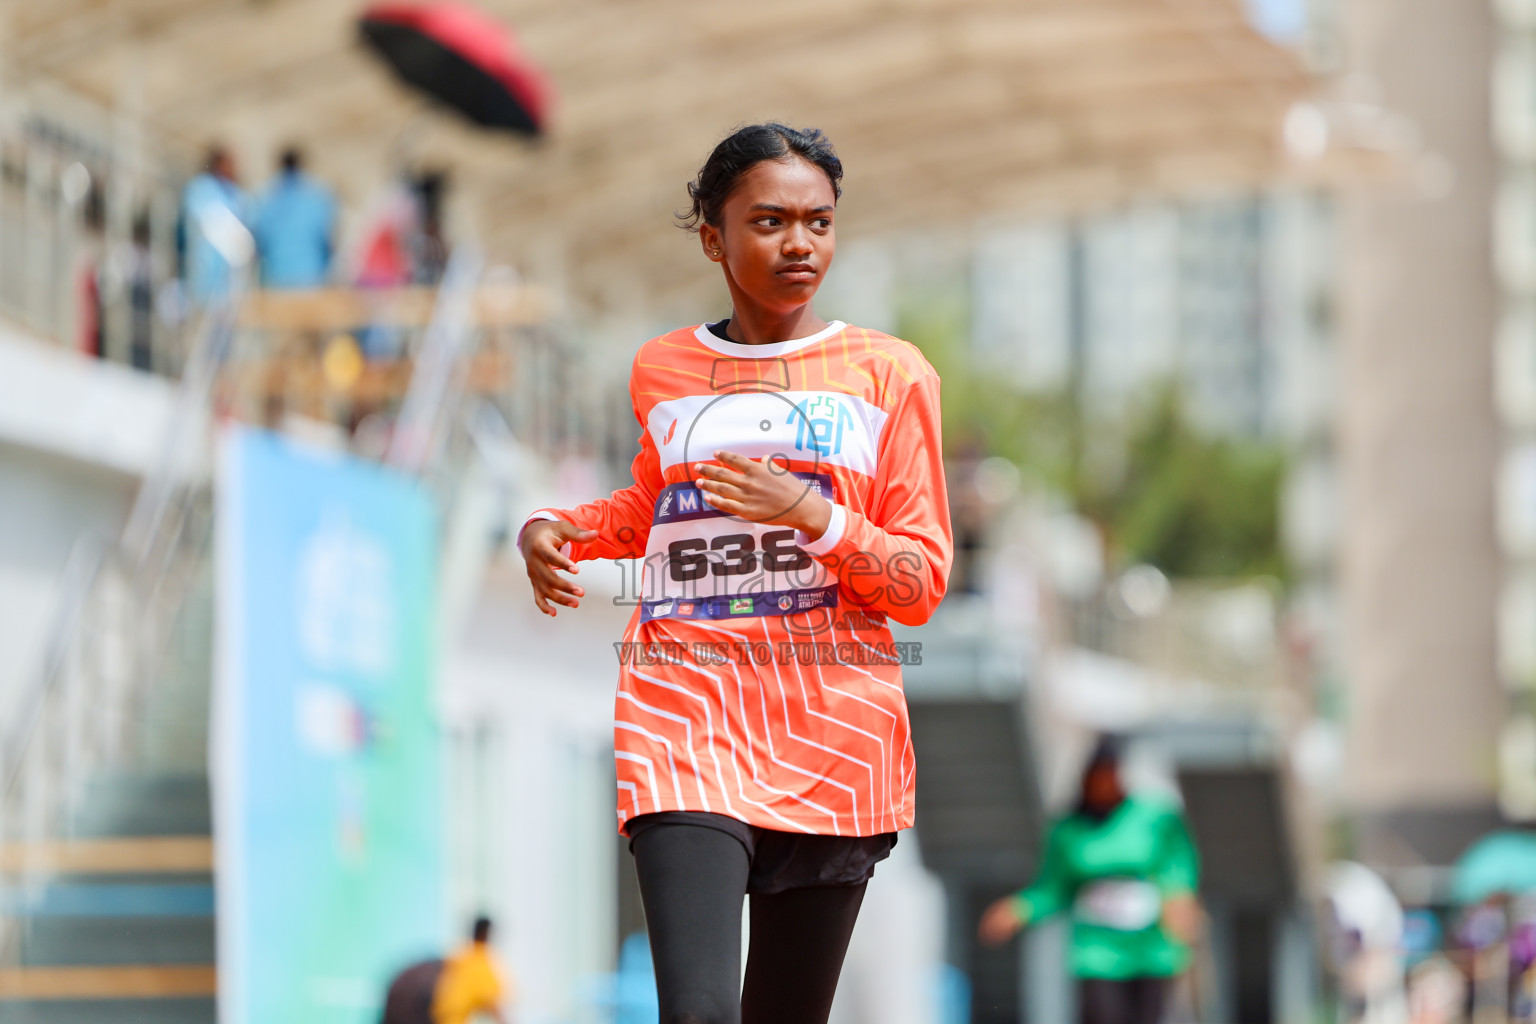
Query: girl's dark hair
x=751, y=145
x=1108, y=752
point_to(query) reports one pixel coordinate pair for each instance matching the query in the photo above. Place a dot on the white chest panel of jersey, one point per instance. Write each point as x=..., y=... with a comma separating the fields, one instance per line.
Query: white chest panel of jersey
x=817, y=427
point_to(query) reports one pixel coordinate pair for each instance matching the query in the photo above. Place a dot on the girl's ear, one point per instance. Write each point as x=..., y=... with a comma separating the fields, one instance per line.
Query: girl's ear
x=710, y=239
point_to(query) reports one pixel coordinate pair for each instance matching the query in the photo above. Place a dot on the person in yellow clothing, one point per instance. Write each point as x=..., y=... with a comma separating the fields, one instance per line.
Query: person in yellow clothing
x=471, y=983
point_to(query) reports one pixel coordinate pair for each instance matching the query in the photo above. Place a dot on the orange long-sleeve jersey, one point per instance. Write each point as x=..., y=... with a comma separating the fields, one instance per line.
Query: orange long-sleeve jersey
x=757, y=676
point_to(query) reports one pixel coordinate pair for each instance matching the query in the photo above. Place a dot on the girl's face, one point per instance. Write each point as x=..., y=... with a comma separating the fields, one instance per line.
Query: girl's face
x=775, y=236
x=1101, y=787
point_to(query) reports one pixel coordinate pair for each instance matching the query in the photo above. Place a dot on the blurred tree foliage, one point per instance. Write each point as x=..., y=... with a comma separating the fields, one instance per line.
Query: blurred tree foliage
x=1161, y=490
x=1190, y=504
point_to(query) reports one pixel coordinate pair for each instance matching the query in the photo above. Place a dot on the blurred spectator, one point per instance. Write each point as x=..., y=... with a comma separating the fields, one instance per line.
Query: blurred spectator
x=969, y=514
x=384, y=259
x=295, y=227
x=384, y=262
x=206, y=269
x=409, y=1000
x=1496, y=946
x=141, y=296
x=1368, y=929
x=89, y=318
x=1125, y=865
x=1522, y=958
x=1437, y=991
x=471, y=983
x=430, y=257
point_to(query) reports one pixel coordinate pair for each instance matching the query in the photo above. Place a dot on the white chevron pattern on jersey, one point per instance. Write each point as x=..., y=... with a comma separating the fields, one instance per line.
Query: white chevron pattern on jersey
x=879, y=781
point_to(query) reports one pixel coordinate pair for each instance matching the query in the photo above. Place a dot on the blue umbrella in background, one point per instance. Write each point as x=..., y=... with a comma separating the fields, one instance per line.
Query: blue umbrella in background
x=1499, y=862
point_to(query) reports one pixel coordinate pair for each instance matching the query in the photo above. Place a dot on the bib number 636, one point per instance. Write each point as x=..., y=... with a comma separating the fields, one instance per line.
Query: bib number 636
x=735, y=554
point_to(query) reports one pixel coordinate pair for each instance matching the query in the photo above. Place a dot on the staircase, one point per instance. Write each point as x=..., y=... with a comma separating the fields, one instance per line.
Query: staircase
x=122, y=929
x=113, y=914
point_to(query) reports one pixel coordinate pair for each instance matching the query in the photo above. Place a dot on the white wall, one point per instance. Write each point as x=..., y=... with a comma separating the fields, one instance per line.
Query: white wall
x=75, y=435
x=46, y=504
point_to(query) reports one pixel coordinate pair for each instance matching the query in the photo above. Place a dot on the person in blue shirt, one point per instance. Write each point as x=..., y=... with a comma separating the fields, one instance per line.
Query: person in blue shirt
x=295, y=228
x=207, y=271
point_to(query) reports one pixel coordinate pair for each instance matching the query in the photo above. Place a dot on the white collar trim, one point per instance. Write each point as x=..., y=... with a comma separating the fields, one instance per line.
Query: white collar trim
x=778, y=348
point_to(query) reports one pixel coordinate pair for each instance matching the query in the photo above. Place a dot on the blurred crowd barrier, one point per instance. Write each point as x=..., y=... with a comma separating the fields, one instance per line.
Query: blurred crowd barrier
x=88, y=216
x=100, y=227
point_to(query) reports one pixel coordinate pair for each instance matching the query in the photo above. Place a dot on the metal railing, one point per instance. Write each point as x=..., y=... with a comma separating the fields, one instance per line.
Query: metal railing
x=88, y=246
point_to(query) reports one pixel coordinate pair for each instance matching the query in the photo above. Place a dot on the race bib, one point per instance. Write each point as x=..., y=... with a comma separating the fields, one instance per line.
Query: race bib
x=1124, y=904
x=701, y=563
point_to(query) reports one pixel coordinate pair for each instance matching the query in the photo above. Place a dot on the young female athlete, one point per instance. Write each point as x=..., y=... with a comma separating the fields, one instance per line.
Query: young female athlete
x=1124, y=866
x=788, y=499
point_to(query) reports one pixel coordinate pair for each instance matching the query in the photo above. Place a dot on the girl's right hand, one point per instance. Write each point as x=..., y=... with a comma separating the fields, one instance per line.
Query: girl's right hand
x=541, y=543
x=1001, y=922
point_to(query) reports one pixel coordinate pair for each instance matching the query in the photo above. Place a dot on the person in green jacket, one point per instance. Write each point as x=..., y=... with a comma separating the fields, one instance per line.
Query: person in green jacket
x=1125, y=865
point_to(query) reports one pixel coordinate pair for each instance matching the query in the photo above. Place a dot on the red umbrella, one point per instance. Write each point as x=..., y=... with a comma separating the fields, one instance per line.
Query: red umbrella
x=463, y=57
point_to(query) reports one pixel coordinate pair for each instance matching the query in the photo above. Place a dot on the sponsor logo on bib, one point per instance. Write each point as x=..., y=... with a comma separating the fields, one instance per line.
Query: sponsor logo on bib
x=741, y=606
x=785, y=602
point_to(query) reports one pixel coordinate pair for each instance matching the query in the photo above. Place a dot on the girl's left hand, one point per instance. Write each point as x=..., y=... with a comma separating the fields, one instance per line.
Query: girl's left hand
x=763, y=491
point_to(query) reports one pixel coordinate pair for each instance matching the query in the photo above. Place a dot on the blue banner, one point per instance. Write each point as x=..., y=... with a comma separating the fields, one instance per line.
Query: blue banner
x=326, y=752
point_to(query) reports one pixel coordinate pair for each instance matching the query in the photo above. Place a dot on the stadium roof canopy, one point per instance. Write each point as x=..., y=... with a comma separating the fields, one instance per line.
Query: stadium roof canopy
x=944, y=111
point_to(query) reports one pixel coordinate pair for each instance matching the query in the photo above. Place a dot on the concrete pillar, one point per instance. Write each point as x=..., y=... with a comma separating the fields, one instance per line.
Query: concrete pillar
x=1418, y=436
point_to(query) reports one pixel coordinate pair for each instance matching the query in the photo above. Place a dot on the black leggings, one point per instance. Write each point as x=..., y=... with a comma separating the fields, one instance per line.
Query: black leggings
x=1132, y=1001
x=692, y=880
